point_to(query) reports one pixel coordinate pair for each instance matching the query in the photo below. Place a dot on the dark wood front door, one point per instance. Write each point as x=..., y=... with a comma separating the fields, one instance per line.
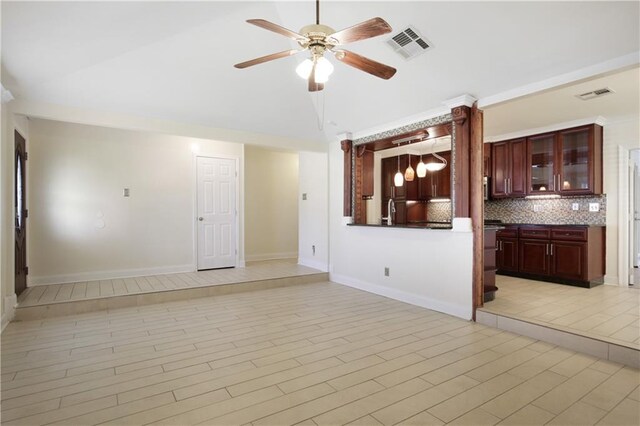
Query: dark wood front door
x=21, y=216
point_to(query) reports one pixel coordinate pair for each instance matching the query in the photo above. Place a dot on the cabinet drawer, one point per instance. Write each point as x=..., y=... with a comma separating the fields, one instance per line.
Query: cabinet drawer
x=508, y=232
x=537, y=233
x=569, y=234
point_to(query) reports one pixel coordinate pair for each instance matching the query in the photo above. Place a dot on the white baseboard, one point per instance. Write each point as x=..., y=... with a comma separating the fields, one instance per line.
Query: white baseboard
x=311, y=263
x=611, y=280
x=403, y=296
x=107, y=275
x=270, y=256
x=10, y=303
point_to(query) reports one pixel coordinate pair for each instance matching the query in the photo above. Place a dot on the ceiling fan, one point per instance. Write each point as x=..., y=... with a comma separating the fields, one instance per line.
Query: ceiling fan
x=317, y=39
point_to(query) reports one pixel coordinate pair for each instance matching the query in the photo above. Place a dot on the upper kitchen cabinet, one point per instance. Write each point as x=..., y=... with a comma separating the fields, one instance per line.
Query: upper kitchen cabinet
x=542, y=164
x=580, y=160
x=508, y=169
x=568, y=162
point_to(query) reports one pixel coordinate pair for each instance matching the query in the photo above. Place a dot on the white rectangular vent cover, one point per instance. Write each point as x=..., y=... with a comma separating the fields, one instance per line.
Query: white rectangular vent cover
x=409, y=43
x=595, y=94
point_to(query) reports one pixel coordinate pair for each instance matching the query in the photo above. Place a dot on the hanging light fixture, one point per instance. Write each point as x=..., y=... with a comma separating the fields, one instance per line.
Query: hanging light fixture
x=409, y=174
x=434, y=166
x=421, y=168
x=398, y=180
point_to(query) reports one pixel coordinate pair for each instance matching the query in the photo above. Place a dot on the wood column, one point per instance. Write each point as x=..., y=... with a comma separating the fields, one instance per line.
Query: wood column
x=460, y=116
x=360, y=213
x=476, y=204
x=469, y=198
x=346, y=146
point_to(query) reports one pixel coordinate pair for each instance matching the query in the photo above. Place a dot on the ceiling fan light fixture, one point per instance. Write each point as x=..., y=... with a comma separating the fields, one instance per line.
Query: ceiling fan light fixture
x=324, y=68
x=304, y=69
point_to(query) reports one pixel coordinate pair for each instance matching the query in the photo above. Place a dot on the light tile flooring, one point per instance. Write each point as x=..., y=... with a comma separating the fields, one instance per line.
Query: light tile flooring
x=59, y=293
x=309, y=354
x=605, y=312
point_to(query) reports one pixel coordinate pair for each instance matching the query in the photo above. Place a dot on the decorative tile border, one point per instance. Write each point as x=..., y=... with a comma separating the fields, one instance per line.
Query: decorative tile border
x=441, y=119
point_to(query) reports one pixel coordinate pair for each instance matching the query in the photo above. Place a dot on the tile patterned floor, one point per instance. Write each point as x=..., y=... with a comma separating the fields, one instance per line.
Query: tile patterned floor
x=58, y=293
x=310, y=354
x=608, y=313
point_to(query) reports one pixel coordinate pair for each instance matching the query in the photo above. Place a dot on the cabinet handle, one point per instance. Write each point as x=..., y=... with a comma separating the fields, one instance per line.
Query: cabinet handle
x=551, y=249
x=546, y=249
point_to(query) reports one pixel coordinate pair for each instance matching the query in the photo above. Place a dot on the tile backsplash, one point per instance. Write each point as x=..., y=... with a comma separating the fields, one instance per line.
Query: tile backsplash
x=439, y=212
x=547, y=211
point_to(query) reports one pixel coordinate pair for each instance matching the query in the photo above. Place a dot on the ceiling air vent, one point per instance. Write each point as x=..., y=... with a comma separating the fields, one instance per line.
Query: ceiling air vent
x=409, y=43
x=595, y=94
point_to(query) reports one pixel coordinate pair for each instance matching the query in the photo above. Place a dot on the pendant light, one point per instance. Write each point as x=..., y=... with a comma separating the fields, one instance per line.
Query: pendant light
x=434, y=166
x=398, y=180
x=409, y=174
x=421, y=168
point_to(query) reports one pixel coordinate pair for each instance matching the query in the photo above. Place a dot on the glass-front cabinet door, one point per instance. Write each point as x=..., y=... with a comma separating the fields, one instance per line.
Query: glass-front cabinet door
x=574, y=174
x=542, y=170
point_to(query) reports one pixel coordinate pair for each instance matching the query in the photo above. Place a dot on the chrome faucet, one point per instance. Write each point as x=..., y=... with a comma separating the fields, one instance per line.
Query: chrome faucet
x=391, y=208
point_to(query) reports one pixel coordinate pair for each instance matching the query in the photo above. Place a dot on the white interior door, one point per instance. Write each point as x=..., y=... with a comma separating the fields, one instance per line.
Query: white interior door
x=216, y=200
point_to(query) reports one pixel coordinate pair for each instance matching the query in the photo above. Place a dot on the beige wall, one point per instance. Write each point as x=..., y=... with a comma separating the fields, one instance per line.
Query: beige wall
x=80, y=225
x=271, y=203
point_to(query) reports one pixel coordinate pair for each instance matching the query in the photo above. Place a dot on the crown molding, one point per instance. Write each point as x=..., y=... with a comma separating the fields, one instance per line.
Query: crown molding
x=551, y=128
x=462, y=100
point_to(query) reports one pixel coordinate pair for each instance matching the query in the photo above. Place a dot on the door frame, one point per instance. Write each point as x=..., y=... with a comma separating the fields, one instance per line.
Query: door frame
x=625, y=268
x=23, y=170
x=240, y=251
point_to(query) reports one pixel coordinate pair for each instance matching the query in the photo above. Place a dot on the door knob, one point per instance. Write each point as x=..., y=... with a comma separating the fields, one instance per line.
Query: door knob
x=201, y=218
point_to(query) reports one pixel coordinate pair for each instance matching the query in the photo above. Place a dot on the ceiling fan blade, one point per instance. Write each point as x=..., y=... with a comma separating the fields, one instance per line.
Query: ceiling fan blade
x=267, y=58
x=313, y=86
x=365, y=64
x=367, y=29
x=277, y=29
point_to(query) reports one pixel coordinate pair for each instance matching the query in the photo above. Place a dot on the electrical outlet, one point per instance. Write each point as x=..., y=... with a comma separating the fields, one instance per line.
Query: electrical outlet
x=575, y=206
x=537, y=207
x=304, y=196
x=386, y=271
x=594, y=207
x=126, y=192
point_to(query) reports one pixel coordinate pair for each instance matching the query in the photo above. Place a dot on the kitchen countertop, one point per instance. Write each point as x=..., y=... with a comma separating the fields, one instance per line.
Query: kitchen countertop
x=550, y=224
x=420, y=225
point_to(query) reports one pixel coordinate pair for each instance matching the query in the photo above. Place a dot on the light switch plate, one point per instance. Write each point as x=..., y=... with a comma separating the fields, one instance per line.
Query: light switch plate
x=125, y=192
x=304, y=196
x=537, y=207
x=575, y=206
x=594, y=207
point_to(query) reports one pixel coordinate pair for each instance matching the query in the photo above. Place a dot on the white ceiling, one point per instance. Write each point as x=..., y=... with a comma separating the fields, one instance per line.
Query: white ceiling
x=174, y=60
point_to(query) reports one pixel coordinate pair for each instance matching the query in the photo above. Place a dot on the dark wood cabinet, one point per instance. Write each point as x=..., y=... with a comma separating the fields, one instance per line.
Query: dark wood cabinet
x=486, y=164
x=568, y=259
x=579, y=159
x=564, y=254
x=410, y=198
x=490, y=251
x=507, y=249
x=534, y=257
x=435, y=184
x=508, y=169
x=566, y=162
